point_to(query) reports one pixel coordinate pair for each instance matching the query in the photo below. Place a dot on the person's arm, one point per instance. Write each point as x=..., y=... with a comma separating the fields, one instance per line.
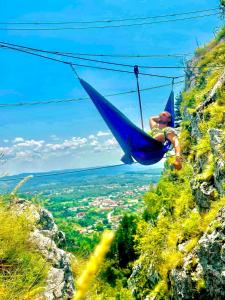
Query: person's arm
x=175, y=142
x=153, y=121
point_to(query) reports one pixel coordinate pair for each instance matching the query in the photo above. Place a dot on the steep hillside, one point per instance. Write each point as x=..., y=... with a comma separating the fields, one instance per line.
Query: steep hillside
x=181, y=238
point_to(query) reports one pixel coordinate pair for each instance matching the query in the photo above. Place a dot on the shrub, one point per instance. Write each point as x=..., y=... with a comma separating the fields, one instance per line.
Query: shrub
x=22, y=269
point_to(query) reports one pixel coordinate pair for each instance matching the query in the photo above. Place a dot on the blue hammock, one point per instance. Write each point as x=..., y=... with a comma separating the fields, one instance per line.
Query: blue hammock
x=135, y=143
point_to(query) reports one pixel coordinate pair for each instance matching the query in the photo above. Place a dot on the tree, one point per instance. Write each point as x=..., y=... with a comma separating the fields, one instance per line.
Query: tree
x=222, y=6
x=123, y=245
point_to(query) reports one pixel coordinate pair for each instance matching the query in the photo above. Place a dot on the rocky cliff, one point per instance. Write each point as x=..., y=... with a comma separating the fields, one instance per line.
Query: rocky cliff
x=181, y=239
x=47, y=238
x=202, y=275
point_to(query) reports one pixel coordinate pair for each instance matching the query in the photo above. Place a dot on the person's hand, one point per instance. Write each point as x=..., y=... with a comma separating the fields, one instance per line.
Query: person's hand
x=178, y=163
x=179, y=158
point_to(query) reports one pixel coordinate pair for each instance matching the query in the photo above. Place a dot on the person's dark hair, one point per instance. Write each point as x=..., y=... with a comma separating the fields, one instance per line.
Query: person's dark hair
x=166, y=114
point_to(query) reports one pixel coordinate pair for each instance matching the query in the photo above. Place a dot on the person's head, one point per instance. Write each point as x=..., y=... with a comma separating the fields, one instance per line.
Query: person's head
x=164, y=117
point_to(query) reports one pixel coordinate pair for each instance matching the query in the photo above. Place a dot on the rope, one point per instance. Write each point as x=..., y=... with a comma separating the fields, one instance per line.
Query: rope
x=172, y=83
x=74, y=71
x=108, y=21
x=92, y=168
x=66, y=172
x=65, y=54
x=122, y=64
x=107, y=55
x=109, y=26
x=5, y=105
x=88, y=59
x=176, y=55
x=136, y=72
x=81, y=65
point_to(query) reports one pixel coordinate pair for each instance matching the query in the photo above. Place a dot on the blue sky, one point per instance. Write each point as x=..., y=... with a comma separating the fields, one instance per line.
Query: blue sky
x=71, y=135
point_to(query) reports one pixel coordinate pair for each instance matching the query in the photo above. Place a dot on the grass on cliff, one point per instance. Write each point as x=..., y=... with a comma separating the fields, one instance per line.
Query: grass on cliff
x=210, y=64
x=22, y=269
x=172, y=223
x=171, y=219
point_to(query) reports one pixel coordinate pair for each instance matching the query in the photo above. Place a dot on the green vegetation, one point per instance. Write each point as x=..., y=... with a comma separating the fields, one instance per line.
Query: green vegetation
x=177, y=105
x=117, y=268
x=222, y=5
x=84, y=206
x=123, y=244
x=22, y=269
x=111, y=282
x=171, y=215
x=171, y=222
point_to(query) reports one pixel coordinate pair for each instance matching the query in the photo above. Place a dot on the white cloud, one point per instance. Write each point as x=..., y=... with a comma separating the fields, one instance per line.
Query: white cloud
x=103, y=133
x=72, y=143
x=21, y=147
x=54, y=137
x=23, y=154
x=94, y=143
x=30, y=143
x=111, y=142
x=18, y=140
x=4, y=150
x=30, y=154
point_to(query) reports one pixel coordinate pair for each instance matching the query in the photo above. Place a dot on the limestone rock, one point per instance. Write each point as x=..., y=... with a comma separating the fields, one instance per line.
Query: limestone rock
x=46, y=236
x=212, y=94
x=217, y=141
x=202, y=275
x=204, y=192
x=141, y=282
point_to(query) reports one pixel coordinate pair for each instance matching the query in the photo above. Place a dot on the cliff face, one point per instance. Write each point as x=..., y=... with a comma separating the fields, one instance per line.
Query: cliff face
x=202, y=275
x=47, y=238
x=181, y=241
x=206, y=188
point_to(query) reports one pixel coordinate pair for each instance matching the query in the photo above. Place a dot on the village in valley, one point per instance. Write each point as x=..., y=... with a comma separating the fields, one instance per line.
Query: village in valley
x=110, y=209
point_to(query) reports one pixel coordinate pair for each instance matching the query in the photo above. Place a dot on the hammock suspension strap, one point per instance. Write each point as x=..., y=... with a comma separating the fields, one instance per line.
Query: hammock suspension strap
x=173, y=83
x=136, y=72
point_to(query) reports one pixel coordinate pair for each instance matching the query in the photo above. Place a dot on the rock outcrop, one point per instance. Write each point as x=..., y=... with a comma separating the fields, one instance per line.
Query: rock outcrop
x=47, y=238
x=202, y=275
x=206, y=191
x=217, y=141
x=147, y=280
x=213, y=93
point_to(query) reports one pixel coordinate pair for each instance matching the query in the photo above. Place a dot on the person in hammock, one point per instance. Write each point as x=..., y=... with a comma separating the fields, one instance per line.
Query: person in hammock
x=161, y=131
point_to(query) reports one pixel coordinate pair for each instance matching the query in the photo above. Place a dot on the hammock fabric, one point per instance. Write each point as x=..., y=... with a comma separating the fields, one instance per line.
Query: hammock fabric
x=135, y=143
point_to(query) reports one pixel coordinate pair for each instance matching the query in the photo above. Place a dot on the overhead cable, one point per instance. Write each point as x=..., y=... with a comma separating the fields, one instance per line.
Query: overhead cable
x=172, y=55
x=65, y=54
x=83, y=169
x=63, y=172
x=108, y=26
x=108, y=20
x=58, y=101
x=20, y=49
